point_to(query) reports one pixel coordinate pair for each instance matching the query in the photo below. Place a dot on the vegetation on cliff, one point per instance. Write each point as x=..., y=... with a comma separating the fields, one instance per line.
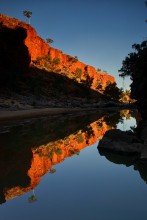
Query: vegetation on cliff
x=45, y=144
x=47, y=77
x=135, y=66
x=27, y=14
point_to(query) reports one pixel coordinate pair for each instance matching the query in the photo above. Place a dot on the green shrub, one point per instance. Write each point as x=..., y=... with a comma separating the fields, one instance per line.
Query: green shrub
x=79, y=72
x=50, y=154
x=79, y=138
x=58, y=151
x=45, y=64
x=49, y=41
x=74, y=151
x=56, y=61
x=52, y=171
x=46, y=57
x=73, y=59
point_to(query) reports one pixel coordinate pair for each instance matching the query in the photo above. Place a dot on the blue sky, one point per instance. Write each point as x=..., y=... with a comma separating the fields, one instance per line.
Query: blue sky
x=99, y=32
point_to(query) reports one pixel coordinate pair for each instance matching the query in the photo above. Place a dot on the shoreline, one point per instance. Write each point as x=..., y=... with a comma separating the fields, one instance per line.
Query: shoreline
x=8, y=115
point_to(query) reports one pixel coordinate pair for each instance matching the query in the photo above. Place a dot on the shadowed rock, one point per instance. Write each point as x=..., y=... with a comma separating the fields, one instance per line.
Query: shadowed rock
x=120, y=141
x=127, y=148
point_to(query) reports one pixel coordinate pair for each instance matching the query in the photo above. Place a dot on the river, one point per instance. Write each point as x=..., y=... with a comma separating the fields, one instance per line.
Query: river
x=50, y=168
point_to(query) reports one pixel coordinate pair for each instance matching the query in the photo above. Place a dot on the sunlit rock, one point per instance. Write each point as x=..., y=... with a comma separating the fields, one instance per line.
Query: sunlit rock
x=49, y=58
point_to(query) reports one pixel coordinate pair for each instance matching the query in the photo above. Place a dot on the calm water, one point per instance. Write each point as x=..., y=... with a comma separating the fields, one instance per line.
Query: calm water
x=51, y=169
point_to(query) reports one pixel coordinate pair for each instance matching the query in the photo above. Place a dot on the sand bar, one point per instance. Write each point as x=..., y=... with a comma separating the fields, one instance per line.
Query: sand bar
x=33, y=113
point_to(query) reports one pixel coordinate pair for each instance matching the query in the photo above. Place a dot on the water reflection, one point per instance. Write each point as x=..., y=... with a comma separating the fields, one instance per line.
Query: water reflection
x=127, y=160
x=114, y=154
x=29, y=151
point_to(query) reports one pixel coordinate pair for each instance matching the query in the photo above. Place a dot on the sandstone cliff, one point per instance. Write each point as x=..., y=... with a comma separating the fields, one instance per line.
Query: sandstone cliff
x=45, y=144
x=45, y=56
x=45, y=157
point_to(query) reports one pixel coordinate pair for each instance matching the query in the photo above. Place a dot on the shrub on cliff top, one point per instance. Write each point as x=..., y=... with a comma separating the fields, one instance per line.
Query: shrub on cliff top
x=49, y=41
x=73, y=59
x=27, y=14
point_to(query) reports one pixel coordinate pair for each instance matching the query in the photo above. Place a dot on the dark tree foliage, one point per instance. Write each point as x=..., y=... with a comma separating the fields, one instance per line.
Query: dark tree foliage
x=112, y=119
x=113, y=92
x=87, y=82
x=27, y=14
x=135, y=66
x=49, y=41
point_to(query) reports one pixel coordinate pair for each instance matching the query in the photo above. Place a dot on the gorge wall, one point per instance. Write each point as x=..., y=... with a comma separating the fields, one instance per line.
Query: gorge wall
x=45, y=144
x=42, y=54
x=45, y=157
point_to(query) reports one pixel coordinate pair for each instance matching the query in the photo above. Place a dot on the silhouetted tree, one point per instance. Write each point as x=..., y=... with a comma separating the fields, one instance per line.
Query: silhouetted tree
x=113, y=92
x=88, y=130
x=49, y=41
x=112, y=119
x=135, y=66
x=87, y=82
x=27, y=14
x=99, y=86
x=32, y=198
x=52, y=171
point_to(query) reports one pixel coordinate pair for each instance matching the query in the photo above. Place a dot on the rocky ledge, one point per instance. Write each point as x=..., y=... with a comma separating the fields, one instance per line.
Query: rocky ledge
x=126, y=142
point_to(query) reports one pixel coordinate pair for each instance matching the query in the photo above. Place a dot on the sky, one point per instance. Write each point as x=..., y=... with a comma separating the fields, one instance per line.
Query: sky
x=99, y=32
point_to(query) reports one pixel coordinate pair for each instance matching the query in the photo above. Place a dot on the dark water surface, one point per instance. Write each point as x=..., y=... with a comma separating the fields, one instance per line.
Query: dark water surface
x=51, y=169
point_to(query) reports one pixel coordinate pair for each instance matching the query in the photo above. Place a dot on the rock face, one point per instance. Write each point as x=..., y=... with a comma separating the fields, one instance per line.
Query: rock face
x=126, y=142
x=126, y=148
x=119, y=141
x=33, y=49
x=42, y=158
x=13, y=53
x=45, y=144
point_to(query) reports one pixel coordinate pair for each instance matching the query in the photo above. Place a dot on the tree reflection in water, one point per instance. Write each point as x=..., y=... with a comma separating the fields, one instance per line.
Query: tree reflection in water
x=139, y=159
x=127, y=160
x=46, y=142
x=32, y=198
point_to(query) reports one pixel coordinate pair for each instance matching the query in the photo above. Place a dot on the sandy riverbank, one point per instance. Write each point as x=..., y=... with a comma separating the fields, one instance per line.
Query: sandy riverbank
x=34, y=113
x=9, y=115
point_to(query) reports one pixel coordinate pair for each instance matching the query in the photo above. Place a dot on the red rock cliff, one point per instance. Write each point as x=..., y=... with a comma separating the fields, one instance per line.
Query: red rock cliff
x=38, y=48
x=46, y=156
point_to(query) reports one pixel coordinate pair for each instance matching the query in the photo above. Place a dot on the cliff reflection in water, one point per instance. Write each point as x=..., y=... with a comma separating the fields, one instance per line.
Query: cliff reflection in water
x=127, y=147
x=29, y=151
x=127, y=160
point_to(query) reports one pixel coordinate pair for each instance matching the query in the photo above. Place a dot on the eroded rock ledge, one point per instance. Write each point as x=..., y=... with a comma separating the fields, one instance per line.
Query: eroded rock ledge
x=126, y=148
x=126, y=142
